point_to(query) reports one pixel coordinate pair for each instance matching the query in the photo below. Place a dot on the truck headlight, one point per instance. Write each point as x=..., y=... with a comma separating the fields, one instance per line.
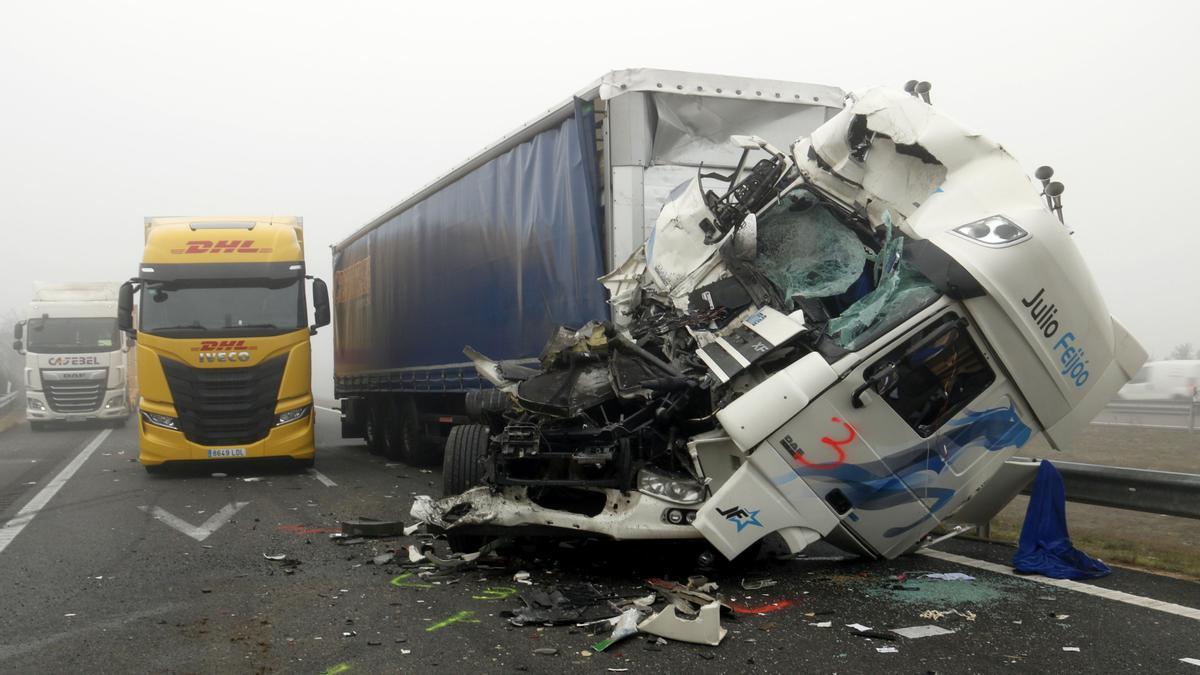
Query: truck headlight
x=291, y=415
x=164, y=421
x=114, y=402
x=678, y=489
x=996, y=231
x=35, y=404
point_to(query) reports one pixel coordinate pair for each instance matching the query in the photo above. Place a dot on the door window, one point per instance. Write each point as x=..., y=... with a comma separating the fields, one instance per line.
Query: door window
x=932, y=375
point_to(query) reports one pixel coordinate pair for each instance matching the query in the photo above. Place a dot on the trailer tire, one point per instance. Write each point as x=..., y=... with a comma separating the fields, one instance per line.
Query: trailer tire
x=462, y=469
x=372, y=430
x=414, y=449
x=392, y=435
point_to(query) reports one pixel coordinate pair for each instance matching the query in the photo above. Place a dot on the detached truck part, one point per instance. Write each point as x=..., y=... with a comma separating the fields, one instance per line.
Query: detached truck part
x=224, y=361
x=508, y=245
x=76, y=365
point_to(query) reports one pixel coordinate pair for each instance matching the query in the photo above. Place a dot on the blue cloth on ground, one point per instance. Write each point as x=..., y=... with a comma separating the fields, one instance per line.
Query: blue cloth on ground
x=1045, y=548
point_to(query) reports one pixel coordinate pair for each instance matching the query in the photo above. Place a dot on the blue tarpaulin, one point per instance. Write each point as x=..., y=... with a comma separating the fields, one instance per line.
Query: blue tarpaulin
x=1045, y=546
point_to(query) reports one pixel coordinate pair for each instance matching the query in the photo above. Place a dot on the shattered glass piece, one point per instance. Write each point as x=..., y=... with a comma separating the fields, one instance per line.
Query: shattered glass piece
x=805, y=250
x=900, y=293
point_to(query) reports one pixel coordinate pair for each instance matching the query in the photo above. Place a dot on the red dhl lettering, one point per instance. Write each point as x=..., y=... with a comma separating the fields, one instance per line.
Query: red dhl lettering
x=222, y=346
x=222, y=246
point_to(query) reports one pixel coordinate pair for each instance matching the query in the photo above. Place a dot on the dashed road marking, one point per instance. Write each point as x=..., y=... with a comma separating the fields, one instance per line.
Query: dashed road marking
x=1107, y=593
x=322, y=477
x=18, y=522
x=201, y=532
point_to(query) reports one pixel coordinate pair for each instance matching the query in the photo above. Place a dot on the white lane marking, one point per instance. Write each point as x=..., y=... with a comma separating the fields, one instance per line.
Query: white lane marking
x=332, y=410
x=10, y=650
x=13, y=527
x=322, y=477
x=214, y=522
x=1107, y=593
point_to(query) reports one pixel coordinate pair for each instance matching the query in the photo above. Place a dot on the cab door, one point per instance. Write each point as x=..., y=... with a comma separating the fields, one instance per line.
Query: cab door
x=909, y=434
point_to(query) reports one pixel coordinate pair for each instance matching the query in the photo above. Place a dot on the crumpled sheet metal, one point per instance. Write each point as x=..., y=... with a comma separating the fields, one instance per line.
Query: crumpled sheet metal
x=632, y=516
x=676, y=256
x=705, y=629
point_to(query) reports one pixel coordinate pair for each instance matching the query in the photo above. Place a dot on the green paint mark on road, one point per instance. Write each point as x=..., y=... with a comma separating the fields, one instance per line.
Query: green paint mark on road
x=495, y=593
x=461, y=617
x=339, y=668
x=400, y=582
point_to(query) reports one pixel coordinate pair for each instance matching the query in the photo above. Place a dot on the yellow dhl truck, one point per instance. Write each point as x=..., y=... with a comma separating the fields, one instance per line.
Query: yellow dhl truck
x=223, y=354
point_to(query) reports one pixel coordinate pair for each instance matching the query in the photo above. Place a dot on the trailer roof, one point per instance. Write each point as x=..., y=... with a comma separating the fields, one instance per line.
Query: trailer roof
x=610, y=85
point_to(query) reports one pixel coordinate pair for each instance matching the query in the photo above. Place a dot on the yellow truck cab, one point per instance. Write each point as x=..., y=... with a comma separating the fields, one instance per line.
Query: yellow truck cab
x=223, y=354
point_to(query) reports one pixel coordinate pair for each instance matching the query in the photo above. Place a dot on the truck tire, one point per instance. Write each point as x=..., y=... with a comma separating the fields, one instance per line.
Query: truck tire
x=462, y=469
x=391, y=438
x=372, y=427
x=414, y=449
x=462, y=466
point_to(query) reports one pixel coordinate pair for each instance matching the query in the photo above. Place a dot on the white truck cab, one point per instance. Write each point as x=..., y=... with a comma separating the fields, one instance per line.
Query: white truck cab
x=76, y=360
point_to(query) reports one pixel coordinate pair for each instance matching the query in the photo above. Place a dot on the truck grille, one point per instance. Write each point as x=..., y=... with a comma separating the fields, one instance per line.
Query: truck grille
x=225, y=406
x=75, y=397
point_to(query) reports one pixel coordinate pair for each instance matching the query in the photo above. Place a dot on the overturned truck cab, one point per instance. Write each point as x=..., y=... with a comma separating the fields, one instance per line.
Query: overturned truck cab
x=847, y=341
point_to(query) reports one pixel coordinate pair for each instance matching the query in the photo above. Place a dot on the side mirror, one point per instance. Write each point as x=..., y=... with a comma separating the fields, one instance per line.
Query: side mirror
x=17, y=345
x=18, y=329
x=125, y=307
x=320, y=304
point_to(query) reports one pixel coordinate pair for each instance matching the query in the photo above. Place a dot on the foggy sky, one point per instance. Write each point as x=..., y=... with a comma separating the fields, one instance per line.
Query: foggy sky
x=113, y=111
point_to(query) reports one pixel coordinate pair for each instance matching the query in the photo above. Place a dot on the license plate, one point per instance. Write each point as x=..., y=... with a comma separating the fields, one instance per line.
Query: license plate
x=226, y=452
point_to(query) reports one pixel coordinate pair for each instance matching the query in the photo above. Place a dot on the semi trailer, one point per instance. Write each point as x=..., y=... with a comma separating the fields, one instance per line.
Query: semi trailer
x=223, y=350
x=508, y=245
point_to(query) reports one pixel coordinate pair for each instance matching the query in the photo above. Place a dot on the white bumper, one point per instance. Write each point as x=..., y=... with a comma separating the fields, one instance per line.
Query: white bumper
x=115, y=406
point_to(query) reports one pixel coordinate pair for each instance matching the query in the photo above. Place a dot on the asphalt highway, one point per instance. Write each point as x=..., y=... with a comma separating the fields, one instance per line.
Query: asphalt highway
x=104, y=568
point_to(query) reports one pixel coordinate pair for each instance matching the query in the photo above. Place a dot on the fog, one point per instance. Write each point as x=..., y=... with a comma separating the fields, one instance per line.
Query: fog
x=113, y=111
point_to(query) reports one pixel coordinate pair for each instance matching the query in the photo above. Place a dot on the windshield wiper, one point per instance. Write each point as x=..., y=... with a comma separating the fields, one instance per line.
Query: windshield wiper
x=194, y=326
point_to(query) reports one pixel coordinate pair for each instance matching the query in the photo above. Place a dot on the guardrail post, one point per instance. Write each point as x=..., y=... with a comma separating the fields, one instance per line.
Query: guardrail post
x=1192, y=414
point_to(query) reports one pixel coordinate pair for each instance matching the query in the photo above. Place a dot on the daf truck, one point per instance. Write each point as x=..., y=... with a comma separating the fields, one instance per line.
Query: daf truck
x=845, y=336
x=76, y=360
x=223, y=351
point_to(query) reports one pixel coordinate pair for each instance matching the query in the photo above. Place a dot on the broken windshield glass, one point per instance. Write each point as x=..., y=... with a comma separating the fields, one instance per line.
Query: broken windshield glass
x=805, y=250
x=900, y=292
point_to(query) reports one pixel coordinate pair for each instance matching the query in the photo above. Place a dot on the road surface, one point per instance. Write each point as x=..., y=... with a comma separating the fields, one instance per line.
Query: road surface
x=104, y=568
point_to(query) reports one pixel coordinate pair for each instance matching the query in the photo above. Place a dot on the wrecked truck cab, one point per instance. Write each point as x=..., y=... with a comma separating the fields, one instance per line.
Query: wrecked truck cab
x=848, y=341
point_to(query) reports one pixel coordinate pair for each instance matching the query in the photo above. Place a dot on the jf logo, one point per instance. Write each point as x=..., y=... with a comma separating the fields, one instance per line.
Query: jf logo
x=740, y=517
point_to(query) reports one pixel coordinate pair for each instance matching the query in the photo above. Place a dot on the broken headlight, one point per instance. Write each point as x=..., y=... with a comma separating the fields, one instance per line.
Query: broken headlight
x=291, y=415
x=996, y=231
x=672, y=488
x=164, y=421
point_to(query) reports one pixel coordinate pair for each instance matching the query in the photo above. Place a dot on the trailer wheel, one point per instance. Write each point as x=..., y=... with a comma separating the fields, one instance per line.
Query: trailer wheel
x=391, y=431
x=414, y=449
x=372, y=427
x=462, y=469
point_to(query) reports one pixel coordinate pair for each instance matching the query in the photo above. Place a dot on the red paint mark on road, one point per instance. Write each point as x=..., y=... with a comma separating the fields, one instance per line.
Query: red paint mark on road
x=304, y=529
x=762, y=609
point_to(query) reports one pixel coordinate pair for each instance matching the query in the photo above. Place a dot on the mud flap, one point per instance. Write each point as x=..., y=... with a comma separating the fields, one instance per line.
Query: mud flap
x=750, y=505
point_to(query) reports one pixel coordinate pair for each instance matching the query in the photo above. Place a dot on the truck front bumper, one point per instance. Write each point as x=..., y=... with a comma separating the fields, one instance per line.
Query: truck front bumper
x=114, y=406
x=625, y=516
x=158, y=444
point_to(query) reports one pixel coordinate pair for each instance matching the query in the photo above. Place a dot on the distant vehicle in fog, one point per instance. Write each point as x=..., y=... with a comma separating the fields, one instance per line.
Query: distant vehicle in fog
x=1163, y=380
x=76, y=361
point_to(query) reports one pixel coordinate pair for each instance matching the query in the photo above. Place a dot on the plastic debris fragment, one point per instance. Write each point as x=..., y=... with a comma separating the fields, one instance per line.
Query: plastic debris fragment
x=705, y=629
x=915, y=632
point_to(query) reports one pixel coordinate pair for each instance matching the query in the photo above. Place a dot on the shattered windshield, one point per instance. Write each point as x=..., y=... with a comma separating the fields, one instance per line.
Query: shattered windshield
x=805, y=250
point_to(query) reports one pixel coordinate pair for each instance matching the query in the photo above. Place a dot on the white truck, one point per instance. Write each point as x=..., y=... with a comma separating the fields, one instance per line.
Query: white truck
x=76, y=360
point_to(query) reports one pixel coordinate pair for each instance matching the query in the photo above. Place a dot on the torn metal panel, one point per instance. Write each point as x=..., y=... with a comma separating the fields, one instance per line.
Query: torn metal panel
x=705, y=629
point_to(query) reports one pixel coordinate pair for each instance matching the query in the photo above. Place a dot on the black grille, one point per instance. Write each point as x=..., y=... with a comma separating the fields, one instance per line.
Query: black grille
x=225, y=406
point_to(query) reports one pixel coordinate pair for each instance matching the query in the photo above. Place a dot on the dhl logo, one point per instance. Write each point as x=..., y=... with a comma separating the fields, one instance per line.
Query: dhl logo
x=222, y=246
x=223, y=346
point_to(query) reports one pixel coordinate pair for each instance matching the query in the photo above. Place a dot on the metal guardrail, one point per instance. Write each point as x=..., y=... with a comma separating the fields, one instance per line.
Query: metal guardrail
x=7, y=399
x=1162, y=492
x=1163, y=414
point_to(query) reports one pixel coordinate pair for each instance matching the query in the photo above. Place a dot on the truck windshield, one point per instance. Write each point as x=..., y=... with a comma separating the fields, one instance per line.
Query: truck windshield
x=222, y=307
x=67, y=335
